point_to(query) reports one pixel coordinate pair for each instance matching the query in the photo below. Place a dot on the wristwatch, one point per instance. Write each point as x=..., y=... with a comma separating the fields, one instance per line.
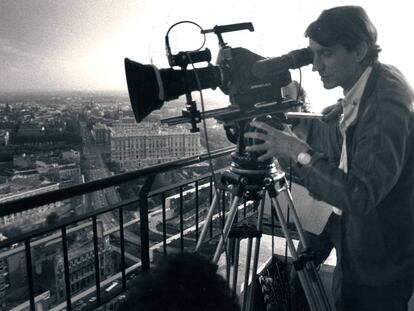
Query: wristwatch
x=305, y=158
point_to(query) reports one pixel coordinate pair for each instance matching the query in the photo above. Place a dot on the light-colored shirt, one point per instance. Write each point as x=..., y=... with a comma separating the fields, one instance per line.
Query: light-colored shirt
x=350, y=107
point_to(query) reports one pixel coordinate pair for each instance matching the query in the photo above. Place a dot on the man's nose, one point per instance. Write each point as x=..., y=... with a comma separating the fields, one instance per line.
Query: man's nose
x=316, y=64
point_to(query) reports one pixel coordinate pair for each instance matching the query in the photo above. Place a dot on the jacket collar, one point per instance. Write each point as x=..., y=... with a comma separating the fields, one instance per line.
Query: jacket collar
x=371, y=83
x=369, y=88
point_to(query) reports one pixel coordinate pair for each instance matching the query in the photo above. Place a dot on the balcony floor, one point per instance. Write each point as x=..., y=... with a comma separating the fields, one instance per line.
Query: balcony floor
x=326, y=269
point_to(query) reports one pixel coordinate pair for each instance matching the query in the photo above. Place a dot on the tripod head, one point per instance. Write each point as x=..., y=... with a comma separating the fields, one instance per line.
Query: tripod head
x=246, y=171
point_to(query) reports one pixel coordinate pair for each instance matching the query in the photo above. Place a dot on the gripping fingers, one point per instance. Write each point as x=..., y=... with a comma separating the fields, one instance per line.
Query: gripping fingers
x=332, y=112
x=256, y=135
x=265, y=156
x=263, y=126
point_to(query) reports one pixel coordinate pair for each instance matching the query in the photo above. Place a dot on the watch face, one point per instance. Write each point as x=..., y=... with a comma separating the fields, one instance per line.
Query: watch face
x=304, y=158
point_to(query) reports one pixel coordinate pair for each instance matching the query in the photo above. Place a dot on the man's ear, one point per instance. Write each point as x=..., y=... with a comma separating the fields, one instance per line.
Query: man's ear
x=361, y=51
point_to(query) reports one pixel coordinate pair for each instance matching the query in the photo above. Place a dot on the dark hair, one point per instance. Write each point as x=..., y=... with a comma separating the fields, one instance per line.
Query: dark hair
x=348, y=26
x=182, y=282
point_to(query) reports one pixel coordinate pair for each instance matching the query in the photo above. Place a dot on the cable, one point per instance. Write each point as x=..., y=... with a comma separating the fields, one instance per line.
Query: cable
x=168, y=50
x=213, y=174
x=203, y=120
x=167, y=43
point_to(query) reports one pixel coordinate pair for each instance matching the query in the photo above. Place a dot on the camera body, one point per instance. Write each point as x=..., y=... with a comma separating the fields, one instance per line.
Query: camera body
x=243, y=88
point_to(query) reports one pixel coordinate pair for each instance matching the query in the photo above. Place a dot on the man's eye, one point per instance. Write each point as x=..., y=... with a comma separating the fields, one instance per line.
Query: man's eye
x=326, y=53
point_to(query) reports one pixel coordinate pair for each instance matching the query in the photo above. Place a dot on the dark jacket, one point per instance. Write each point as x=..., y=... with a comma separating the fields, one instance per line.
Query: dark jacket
x=377, y=194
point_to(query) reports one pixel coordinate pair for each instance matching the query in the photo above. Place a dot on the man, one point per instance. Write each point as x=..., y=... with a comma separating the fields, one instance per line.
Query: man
x=364, y=167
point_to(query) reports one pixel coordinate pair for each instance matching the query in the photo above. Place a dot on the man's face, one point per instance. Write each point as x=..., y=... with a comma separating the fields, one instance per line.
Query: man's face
x=335, y=65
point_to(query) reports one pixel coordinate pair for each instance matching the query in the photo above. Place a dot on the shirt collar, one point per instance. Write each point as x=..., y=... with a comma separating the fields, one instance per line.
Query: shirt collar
x=351, y=101
x=354, y=95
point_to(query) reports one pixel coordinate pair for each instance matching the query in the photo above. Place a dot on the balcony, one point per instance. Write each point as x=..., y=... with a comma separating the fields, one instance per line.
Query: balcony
x=85, y=261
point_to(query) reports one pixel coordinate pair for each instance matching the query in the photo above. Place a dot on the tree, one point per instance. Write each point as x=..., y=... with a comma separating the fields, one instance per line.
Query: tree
x=13, y=232
x=52, y=219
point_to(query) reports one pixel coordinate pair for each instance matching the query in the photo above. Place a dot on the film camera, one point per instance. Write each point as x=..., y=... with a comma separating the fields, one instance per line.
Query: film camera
x=253, y=84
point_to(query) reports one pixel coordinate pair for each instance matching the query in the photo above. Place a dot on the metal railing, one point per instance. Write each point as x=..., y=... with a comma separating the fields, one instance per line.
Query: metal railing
x=36, y=237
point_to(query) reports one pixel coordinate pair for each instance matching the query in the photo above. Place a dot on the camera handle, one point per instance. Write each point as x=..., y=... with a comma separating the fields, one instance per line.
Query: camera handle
x=218, y=30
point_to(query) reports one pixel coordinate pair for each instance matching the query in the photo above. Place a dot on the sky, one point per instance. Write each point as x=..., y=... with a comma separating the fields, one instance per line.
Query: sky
x=81, y=44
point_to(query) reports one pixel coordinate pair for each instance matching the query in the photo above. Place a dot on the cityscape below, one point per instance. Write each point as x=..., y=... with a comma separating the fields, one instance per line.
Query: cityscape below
x=53, y=140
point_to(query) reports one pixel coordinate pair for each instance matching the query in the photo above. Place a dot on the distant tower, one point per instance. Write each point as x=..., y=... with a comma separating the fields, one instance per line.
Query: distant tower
x=6, y=138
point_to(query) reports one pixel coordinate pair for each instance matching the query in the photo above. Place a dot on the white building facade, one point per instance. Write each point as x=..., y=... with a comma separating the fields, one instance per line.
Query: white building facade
x=138, y=147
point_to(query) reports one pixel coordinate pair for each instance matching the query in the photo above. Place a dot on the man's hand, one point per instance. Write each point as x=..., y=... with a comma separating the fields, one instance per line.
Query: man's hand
x=276, y=143
x=332, y=112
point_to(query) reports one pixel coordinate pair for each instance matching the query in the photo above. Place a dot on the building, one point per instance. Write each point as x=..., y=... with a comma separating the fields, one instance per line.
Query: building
x=69, y=172
x=49, y=279
x=49, y=260
x=4, y=283
x=41, y=303
x=71, y=155
x=26, y=188
x=101, y=133
x=64, y=171
x=4, y=137
x=23, y=161
x=13, y=281
x=30, y=173
x=31, y=129
x=148, y=144
x=82, y=267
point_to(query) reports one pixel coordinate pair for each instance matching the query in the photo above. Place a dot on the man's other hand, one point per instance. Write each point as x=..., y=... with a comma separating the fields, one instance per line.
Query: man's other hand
x=333, y=112
x=276, y=143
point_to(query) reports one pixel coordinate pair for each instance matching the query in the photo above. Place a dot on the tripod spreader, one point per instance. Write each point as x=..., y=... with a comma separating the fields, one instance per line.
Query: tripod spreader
x=244, y=231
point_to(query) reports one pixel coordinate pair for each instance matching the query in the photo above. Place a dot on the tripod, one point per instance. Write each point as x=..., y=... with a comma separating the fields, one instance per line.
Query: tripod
x=252, y=180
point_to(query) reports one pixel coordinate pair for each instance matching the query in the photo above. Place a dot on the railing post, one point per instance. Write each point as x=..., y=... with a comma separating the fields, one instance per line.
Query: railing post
x=196, y=211
x=29, y=269
x=164, y=224
x=211, y=200
x=65, y=250
x=122, y=239
x=181, y=220
x=96, y=256
x=143, y=215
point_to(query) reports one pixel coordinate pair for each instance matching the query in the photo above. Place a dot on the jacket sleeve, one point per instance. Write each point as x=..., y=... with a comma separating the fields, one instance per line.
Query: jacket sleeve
x=324, y=138
x=380, y=145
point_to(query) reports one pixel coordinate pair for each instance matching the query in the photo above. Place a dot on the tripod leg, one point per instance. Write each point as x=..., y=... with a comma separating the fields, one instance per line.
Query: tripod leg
x=247, y=275
x=302, y=277
x=310, y=266
x=207, y=221
x=227, y=227
x=235, y=266
x=256, y=253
